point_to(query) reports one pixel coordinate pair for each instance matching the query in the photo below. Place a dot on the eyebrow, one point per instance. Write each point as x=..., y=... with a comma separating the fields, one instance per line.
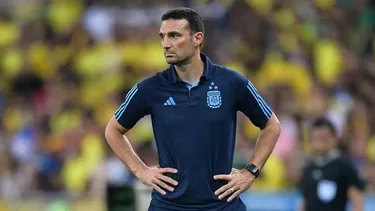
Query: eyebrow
x=169, y=33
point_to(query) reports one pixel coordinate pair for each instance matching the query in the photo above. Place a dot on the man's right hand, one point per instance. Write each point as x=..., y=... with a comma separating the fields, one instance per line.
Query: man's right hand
x=155, y=178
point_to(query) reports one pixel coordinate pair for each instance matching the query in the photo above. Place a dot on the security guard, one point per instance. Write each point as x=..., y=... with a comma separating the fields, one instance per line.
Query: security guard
x=329, y=180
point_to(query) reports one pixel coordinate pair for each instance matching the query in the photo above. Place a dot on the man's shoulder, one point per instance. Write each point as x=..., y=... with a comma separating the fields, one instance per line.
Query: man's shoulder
x=343, y=161
x=228, y=73
x=308, y=163
x=150, y=82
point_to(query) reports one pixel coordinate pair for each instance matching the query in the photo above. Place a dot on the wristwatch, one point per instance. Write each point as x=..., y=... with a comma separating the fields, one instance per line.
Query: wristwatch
x=253, y=169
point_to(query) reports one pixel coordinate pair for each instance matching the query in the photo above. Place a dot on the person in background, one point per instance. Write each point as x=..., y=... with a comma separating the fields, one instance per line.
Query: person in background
x=329, y=180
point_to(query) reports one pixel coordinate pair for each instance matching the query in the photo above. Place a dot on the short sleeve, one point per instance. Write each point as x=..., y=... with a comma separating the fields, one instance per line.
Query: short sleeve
x=353, y=178
x=251, y=103
x=133, y=108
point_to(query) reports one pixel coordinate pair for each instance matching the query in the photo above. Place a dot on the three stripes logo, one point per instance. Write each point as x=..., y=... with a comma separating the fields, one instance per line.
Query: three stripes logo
x=125, y=104
x=170, y=102
x=262, y=104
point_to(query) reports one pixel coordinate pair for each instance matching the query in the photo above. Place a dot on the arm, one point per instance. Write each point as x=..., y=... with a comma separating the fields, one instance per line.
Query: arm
x=356, y=198
x=127, y=115
x=260, y=114
x=114, y=134
x=356, y=187
x=266, y=142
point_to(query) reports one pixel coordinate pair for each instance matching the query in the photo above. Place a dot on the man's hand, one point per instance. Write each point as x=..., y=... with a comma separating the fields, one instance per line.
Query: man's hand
x=155, y=178
x=239, y=181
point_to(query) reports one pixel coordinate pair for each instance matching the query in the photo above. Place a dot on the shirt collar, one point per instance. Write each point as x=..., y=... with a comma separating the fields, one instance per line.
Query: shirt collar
x=324, y=160
x=173, y=77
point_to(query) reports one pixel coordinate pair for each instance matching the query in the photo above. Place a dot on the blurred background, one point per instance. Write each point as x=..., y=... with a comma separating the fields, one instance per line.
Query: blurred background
x=66, y=65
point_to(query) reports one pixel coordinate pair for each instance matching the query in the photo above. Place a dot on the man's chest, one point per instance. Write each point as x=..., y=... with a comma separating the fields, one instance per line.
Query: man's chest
x=324, y=182
x=209, y=101
x=331, y=171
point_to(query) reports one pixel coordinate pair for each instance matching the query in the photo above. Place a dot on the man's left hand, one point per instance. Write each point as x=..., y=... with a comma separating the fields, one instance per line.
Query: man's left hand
x=239, y=181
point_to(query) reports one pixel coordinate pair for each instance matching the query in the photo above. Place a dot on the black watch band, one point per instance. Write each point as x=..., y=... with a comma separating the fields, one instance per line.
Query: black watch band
x=253, y=169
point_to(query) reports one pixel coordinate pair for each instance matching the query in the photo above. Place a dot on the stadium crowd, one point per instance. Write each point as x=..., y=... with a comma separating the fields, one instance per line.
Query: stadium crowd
x=66, y=65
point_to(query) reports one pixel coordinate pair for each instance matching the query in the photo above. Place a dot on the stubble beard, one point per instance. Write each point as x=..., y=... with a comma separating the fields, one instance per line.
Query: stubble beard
x=178, y=62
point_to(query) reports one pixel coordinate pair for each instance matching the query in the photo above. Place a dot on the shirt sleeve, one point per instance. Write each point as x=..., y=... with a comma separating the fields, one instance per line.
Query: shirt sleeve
x=353, y=178
x=251, y=103
x=133, y=108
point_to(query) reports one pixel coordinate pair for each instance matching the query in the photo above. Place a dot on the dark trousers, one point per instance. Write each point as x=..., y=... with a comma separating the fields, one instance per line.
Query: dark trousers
x=241, y=207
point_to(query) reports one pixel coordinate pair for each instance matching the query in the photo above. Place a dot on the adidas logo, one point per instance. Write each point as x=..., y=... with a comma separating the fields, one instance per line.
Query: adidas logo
x=170, y=102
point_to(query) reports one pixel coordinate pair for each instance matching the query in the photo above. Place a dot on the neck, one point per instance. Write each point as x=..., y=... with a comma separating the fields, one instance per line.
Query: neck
x=192, y=70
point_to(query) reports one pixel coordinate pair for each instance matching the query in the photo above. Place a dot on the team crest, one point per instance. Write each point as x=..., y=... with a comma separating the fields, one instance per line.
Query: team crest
x=213, y=96
x=326, y=190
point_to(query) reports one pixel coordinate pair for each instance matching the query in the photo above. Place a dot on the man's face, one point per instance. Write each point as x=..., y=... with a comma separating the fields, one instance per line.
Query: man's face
x=322, y=140
x=178, y=42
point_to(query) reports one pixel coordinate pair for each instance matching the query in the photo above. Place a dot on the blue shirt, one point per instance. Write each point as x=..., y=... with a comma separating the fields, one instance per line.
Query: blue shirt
x=195, y=129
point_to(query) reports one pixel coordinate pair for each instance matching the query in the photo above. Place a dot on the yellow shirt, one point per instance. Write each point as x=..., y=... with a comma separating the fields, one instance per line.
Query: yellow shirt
x=36, y=55
x=93, y=151
x=75, y=175
x=10, y=33
x=329, y=61
x=62, y=15
x=370, y=150
x=12, y=62
x=272, y=177
x=262, y=6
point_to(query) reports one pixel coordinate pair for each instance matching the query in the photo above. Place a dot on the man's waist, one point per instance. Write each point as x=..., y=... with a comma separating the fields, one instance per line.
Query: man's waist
x=192, y=203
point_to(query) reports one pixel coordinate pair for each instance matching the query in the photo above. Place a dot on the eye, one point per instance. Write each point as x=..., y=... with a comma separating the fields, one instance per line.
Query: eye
x=175, y=35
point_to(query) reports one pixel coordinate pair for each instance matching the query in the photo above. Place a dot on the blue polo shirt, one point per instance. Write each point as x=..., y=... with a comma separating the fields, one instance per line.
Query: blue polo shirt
x=195, y=129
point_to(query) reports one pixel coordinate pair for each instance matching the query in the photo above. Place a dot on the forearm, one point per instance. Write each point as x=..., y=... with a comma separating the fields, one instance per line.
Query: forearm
x=356, y=198
x=358, y=207
x=123, y=149
x=358, y=204
x=266, y=142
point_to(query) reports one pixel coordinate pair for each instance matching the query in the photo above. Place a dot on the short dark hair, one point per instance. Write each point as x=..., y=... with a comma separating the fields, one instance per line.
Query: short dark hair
x=323, y=122
x=191, y=16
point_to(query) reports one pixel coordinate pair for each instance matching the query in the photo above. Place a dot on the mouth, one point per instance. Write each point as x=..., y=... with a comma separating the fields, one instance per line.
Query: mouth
x=168, y=54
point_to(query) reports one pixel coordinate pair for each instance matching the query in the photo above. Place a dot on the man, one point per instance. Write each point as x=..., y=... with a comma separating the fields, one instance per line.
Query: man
x=329, y=180
x=193, y=105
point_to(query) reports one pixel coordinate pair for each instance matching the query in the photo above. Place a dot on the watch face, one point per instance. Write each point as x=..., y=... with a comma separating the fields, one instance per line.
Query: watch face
x=254, y=169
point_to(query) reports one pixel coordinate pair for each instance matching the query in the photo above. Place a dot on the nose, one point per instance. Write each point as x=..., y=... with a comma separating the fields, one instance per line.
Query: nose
x=165, y=43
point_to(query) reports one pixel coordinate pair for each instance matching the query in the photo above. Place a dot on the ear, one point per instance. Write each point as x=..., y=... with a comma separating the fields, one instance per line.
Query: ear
x=198, y=38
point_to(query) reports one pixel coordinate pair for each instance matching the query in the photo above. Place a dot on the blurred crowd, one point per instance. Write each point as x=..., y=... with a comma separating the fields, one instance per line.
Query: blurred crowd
x=66, y=65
